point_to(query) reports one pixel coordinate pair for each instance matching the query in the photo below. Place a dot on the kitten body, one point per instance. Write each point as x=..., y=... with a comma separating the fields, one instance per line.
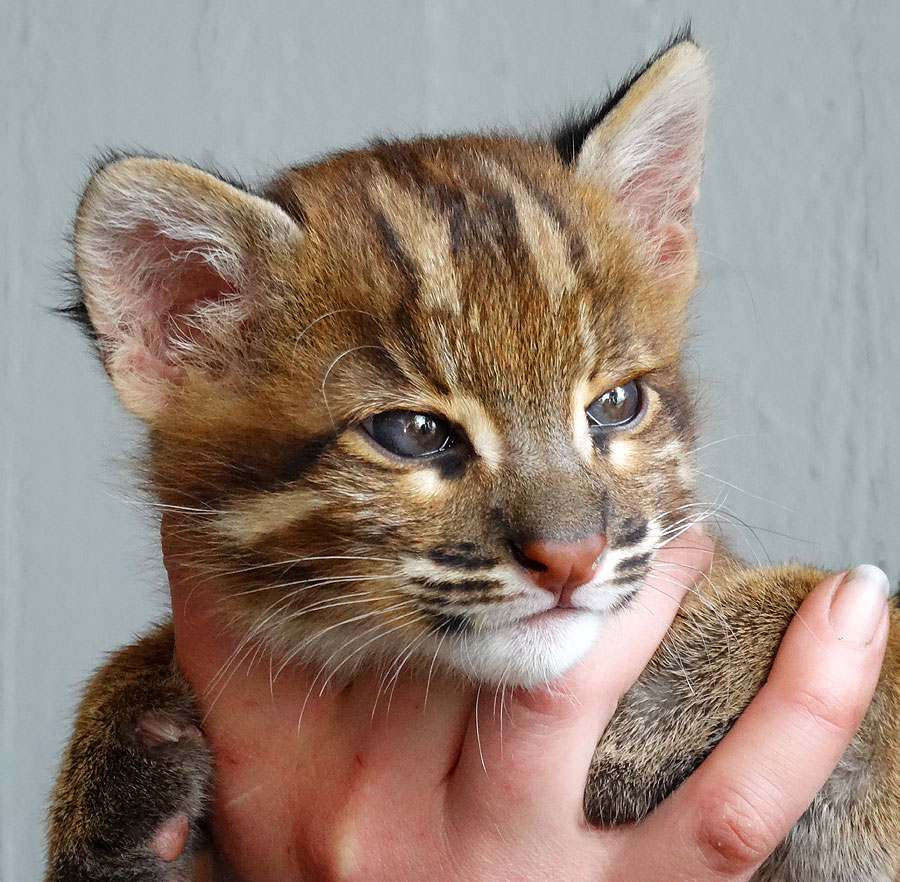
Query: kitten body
x=387, y=399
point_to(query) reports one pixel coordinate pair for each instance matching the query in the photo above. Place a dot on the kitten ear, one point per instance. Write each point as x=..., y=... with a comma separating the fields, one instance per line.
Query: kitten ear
x=647, y=149
x=173, y=263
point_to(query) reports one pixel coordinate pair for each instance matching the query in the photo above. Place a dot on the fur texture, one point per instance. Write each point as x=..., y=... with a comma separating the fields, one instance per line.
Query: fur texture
x=486, y=303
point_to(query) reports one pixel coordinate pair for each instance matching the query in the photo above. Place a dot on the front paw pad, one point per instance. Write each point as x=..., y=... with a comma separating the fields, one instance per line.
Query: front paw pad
x=155, y=730
x=170, y=838
x=178, y=761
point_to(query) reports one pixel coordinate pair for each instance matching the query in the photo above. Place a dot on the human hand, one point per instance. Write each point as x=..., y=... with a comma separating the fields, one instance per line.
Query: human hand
x=367, y=786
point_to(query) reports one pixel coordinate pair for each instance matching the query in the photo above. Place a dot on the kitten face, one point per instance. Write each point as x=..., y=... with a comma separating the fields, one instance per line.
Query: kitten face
x=370, y=391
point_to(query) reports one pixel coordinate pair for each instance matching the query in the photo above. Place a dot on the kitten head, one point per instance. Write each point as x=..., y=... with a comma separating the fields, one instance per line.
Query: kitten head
x=421, y=401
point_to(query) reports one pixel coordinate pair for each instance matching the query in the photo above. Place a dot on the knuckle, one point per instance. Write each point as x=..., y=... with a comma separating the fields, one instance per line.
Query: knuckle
x=830, y=713
x=734, y=836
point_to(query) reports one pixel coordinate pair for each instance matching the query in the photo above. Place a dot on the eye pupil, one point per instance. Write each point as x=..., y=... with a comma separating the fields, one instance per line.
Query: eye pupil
x=615, y=397
x=422, y=425
x=616, y=408
x=408, y=433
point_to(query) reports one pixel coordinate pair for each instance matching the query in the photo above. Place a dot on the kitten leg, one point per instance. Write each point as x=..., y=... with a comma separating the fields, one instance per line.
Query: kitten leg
x=132, y=792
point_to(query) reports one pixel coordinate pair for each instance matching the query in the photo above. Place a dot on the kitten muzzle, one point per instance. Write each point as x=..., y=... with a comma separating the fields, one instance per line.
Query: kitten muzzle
x=562, y=567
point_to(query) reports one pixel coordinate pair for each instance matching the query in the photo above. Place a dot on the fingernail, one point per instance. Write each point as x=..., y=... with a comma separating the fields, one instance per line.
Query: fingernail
x=858, y=604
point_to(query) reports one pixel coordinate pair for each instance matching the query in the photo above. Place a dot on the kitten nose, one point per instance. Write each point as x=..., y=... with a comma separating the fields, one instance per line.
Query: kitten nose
x=561, y=567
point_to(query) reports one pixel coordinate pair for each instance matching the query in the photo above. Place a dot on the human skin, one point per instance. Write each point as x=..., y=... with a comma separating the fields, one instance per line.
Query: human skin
x=369, y=785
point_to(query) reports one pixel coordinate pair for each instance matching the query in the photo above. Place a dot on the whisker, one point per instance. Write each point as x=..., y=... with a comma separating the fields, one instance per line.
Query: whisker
x=395, y=678
x=478, y=729
x=399, y=623
x=324, y=316
x=298, y=560
x=331, y=367
x=747, y=492
x=431, y=667
x=722, y=441
x=344, y=622
x=318, y=582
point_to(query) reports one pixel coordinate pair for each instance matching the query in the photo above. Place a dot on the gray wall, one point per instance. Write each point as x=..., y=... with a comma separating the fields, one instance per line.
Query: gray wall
x=797, y=355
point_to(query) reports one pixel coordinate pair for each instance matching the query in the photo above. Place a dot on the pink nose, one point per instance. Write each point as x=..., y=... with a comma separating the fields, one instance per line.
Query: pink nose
x=564, y=566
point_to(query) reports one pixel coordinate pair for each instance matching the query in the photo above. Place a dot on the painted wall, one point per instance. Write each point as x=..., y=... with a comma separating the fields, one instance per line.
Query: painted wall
x=798, y=351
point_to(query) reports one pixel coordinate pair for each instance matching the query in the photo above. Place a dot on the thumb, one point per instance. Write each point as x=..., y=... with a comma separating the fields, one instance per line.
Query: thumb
x=535, y=746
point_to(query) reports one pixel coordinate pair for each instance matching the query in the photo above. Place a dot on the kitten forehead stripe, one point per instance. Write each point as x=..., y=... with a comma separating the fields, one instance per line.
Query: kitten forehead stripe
x=578, y=247
x=425, y=238
x=542, y=235
x=444, y=354
x=395, y=251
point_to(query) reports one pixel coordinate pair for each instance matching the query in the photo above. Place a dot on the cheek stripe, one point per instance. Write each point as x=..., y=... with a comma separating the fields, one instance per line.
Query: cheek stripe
x=467, y=586
x=275, y=462
x=634, y=563
x=448, y=623
x=460, y=558
x=263, y=515
x=634, y=533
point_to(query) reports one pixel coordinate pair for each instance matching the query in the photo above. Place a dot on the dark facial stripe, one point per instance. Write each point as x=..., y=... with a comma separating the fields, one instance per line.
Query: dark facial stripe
x=577, y=248
x=268, y=465
x=463, y=556
x=395, y=251
x=458, y=223
x=483, y=218
x=482, y=215
x=622, y=602
x=601, y=442
x=677, y=402
x=630, y=564
x=627, y=578
x=502, y=219
x=403, y=163
x=467, y=586
x=298, y=460
x=635, y=532
x=451, y=465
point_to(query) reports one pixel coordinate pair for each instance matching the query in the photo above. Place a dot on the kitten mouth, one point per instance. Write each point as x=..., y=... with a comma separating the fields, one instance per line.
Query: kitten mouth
x=554, y=614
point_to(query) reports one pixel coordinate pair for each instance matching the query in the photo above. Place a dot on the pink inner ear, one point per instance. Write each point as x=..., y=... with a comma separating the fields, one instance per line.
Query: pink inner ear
x=673, y=243
x=660, y=198
x=196, y=287
x=663, y=191
x=164, y=286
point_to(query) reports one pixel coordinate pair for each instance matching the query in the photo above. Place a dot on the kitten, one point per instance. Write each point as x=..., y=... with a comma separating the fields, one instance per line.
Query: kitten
x=421, y=402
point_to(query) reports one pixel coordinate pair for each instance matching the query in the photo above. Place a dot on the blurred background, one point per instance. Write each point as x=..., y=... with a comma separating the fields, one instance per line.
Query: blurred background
x=797, y=352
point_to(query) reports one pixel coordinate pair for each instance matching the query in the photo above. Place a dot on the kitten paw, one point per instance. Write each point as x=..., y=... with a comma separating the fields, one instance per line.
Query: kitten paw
x=155, y=730
x=170, y=839
x=132, y=795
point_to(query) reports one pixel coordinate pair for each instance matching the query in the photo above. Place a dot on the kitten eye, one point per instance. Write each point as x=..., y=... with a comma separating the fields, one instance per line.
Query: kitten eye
x=615, y=408
x=410, y=434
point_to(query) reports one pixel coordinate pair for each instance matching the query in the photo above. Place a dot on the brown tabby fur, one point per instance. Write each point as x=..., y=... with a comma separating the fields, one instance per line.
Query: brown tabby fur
x=481, y=279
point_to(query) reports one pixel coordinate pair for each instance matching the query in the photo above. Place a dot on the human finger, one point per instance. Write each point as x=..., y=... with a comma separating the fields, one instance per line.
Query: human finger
x=536, y=750
x=726, y=819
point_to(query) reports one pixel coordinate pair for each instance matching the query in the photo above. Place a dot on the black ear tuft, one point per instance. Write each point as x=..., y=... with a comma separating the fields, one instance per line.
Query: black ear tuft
x=569, y=137
x=110, y=155
x=74, y=308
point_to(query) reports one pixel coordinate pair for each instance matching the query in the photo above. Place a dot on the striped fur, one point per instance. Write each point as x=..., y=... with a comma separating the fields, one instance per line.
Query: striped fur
x=501, y=285
x=482, y=279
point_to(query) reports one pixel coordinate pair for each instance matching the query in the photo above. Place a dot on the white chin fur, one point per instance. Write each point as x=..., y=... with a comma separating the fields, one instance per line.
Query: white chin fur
x=528, y=652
